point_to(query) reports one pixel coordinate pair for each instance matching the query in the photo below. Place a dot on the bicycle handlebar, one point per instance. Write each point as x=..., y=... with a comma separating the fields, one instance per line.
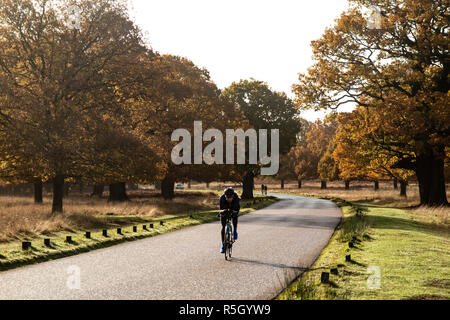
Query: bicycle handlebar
x=226, y=211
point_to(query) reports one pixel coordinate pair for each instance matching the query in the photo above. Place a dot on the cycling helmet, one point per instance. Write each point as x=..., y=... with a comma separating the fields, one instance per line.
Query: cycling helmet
x=229, y=192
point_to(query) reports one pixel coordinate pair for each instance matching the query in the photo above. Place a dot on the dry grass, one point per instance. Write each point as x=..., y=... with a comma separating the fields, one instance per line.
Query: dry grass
x=435, y=216
x=364, y=192
x=360, y=191
x=20, y=217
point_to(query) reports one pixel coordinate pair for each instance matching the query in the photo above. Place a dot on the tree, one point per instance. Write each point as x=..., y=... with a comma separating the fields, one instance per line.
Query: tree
x=400, y=69
x=312, y=151
x=178, y=95
x=358, y=156
x=55, y=78
x=263, y=108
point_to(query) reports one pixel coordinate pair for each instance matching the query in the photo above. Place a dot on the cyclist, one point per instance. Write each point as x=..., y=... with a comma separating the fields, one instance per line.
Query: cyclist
x=229, y=201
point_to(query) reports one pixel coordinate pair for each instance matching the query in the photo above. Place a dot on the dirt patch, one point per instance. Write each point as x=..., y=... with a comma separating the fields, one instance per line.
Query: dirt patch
x=438, y=283
x=427, y=297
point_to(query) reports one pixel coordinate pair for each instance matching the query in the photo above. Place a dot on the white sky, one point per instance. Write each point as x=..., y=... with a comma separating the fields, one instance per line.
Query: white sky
x=268, y=40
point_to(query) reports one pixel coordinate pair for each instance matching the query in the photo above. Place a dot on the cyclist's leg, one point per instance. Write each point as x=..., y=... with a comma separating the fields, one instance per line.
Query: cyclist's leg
x=235, y=222
x=223, y=220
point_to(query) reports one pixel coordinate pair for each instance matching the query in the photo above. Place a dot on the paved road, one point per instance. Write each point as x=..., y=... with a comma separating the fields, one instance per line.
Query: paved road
x=276, y=244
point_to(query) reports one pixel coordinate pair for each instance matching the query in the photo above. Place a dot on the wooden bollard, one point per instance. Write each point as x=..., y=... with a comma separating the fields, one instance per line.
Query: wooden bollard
x=348, y=258
x=151, y=226
x=334, y=271
x=134, y=229
x=119, y=230
x=87, y=235
x=47, y=242
x=325, y=277
x=26, y=245
x=351, y=244
x=105, y=233
x=69, y=239
x=144, y=227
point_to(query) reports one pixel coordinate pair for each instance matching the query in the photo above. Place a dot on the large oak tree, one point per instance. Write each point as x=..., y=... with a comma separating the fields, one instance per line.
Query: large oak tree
x=401, y=68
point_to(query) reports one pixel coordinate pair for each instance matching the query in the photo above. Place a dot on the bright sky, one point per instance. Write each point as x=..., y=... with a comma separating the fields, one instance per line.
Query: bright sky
x=268, y=40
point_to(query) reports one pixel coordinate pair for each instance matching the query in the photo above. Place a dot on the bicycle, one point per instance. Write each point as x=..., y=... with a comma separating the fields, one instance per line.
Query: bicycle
x=228, y=241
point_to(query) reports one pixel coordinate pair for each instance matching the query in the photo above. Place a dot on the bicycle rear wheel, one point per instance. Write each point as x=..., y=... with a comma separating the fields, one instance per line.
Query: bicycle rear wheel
x=228, y=244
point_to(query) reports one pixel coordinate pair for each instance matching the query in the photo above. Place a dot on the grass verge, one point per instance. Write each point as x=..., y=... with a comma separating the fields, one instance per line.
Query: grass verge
x=395, y=256
x=12, y=255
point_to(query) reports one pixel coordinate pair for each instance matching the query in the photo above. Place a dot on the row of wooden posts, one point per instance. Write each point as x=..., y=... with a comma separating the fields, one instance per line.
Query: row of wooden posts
x=47, y=242
x=325, y=277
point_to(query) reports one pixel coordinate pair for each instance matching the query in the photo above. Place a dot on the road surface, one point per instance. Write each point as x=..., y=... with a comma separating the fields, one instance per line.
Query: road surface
x=275, y=245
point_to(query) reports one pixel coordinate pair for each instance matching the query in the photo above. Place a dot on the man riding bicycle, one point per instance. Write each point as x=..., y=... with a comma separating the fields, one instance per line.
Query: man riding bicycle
x=229, y=201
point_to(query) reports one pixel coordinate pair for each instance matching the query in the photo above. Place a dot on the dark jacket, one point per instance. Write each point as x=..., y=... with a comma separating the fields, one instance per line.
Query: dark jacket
x=235, y=206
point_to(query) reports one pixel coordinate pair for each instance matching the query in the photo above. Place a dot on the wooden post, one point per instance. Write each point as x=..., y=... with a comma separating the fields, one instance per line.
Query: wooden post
x=69, y=239
x=348, y=258
x=47, y=242
x=105, y=233
x=144, y=227
x=161, y=223
x=351, y=244
x=334, y=271
x=325, y=277
x=151, y=226
x=134, y=229
x=26, y=245
x=88, y=235
x=119, y=230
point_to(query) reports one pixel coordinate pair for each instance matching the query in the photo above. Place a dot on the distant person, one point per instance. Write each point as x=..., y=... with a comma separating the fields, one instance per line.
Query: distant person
x=265, y=190
x=229, y=201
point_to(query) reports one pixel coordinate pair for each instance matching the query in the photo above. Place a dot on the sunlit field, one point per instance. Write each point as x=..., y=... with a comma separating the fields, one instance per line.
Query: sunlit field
x=20, y=217
x=361, y=191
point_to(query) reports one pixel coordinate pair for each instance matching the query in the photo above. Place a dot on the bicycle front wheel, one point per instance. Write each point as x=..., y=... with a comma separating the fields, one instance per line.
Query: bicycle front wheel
x=228, y=245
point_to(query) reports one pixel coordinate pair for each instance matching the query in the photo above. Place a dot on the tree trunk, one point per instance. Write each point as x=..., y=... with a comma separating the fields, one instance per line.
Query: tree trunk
x=248, y=185
x=66, y=190
x=323, y=184
x=430, y=174
x=376, y=185
x=167, y=189
x=347, y=185
x=282, y=184
x=58, y=193
x=403, y=185
x=395, y=184
x=299, y=184
x=98, y=190
x=38, y=191
x=118, y=192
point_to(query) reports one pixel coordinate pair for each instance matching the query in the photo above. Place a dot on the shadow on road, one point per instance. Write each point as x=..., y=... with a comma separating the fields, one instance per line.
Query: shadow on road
x=293, y=221
x=275, y=265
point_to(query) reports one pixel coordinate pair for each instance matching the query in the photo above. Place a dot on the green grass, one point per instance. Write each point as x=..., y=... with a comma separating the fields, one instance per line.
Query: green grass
x=413, y=258
x=12, y=255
